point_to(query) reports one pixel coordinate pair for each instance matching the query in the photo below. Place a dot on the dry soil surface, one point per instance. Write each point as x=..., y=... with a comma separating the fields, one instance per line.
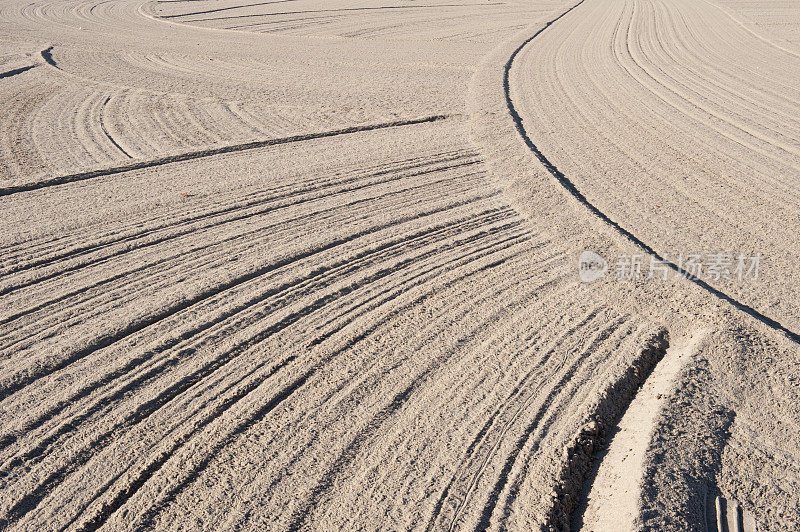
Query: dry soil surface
x=306, y=265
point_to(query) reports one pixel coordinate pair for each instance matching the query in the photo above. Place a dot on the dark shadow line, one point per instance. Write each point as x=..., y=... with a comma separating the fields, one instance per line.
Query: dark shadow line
x=314, y=11
x=105, y=130
x=16, y=71
x=222, y=8
x=572, y=189
x=14, y=189
x=47, y=55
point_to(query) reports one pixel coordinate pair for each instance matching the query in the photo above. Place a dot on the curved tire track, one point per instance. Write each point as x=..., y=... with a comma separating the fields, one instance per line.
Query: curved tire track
x=82, y=176
x=570, y=187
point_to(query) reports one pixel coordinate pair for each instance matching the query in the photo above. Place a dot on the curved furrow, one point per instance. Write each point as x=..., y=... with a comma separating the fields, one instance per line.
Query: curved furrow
x=22, y=377
x=396, y=402
x=237, y=210
x=223, y=202
x=357, y=195
x=299, y=288
x=455, y=497
x=197, y=378
x=581, y=196
x=148, y=287
x=277, y=265
x=49, y=324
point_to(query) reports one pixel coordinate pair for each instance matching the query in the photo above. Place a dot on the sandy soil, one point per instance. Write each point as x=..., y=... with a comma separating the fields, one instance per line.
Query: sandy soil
x=305, y=265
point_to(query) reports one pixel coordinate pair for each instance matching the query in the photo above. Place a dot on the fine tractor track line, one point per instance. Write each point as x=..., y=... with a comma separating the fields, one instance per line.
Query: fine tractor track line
x=28, y=456
x=302, y=514
x=231, y=202
x=217, y=10
x=450, y=307
x=617, y=332
x=750, y=31
x=524, y=394
x=473, y=451
x=35, y=497
x=570, y=187
x=163, y=262
x=273, y=225
x=311, y=191
x=391, y=247
x=188, y=156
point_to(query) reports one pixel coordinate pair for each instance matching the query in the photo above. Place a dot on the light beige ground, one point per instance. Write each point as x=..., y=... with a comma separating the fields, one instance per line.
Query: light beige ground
x=291, y=265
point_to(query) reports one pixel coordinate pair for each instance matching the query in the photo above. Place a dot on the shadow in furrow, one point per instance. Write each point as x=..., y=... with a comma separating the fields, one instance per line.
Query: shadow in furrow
x=47, y=55
x=528, y=384
x=82, y=176
x=16, y=71
x=543, y=415
x=105, y=130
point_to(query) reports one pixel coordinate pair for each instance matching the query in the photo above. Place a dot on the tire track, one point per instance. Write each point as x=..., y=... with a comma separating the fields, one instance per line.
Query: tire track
x=30, y=501
x=119, y=500
x=473, y=199
x=343, y=10
x=546, y=411
x=8, y=388
x=383, y=415
x=322, y=191
x=481, y=439
x=172, y=262
x=206, y=262
x=234, y=200
x=341, y=268
x=217, y=243
x=431, y=328
x=82, y=176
